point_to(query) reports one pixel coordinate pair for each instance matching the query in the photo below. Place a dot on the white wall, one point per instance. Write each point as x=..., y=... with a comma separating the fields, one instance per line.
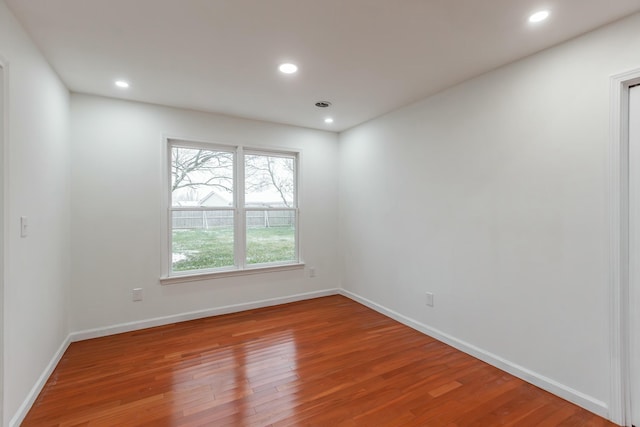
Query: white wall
x=496, y=201
x=38, y=272
x=116, y=211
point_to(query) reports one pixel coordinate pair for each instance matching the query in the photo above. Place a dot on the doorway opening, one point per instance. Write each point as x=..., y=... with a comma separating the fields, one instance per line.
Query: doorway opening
x=4, y=164
x=634, y=254
x=624, y=215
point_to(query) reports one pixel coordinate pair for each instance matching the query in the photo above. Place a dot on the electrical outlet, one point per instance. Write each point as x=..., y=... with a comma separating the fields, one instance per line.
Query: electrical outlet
x=312, y=272
x=136, y=294
x=429, y=300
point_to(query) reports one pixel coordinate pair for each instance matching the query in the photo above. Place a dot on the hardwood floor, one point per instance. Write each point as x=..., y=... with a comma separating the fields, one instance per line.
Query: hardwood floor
x=325, y=362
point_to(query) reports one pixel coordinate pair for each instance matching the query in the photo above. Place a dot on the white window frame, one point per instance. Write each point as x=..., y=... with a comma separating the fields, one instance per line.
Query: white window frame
x=240, y=266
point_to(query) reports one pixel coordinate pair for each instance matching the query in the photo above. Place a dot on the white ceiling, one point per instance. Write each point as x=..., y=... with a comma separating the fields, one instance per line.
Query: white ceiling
x=367, y=57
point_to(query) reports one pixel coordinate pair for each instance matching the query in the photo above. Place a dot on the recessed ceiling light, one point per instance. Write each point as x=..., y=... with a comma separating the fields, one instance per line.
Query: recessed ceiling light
x=288, y=68
x=539, y=16
x=328, y=120
x=122, y=84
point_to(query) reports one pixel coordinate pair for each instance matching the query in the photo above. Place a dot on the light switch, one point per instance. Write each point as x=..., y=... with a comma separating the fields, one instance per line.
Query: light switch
x=24, y=226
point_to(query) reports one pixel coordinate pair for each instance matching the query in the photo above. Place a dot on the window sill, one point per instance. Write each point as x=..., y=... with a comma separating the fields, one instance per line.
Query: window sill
x=170, y=280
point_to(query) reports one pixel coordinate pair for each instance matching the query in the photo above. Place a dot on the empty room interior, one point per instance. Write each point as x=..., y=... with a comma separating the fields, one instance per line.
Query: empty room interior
x=338, y=212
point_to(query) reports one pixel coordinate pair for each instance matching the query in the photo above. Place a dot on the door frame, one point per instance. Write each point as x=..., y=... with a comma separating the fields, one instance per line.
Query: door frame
x=4, y=215
x=619, y=257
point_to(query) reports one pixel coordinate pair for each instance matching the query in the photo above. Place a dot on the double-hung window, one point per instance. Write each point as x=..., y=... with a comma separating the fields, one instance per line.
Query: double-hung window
x=231, y=208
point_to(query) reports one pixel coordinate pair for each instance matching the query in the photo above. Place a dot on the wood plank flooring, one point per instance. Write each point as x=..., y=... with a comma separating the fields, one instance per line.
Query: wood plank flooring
x=323, y=362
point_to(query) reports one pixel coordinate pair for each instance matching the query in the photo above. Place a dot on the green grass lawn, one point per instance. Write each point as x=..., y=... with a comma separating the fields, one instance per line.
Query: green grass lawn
x=213, y=248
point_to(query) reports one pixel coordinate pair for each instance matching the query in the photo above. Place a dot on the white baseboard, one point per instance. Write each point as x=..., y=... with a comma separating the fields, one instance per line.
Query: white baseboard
x=183, y=317
x=587, y=402
x=23, y=410
x=591, y=404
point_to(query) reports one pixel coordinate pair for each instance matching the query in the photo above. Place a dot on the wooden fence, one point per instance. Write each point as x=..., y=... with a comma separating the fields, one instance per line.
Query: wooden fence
x=198, y=220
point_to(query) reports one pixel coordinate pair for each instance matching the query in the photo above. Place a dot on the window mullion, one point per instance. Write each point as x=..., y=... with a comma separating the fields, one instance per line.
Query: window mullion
x=240, y=224
x=200, y=208
x=269, y=208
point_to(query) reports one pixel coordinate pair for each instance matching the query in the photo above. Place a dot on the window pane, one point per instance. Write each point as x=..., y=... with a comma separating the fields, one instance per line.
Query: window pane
x=271, y=236
x=202, y=240
x=269, y=181
x=201, y=177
